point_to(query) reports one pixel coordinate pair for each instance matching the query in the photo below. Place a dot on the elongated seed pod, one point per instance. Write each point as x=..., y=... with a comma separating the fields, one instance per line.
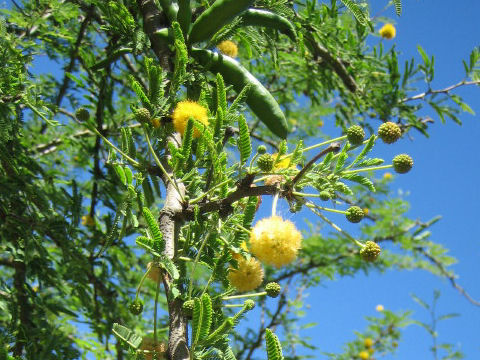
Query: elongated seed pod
x=254, y=17
x=215, y=17
x=259, y=99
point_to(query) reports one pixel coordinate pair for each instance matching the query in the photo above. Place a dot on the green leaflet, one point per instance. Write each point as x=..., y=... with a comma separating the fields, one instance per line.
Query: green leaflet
x=254, y=17
x=297, y=155
x=154, y=230
x=357, y=12
x=218, y=134
x=120, y=173
x=259, y=99
x=221, y=93
x=138, y=89
x=398, y=6
x=127, y=335
x=274, y=348
x=187, y=143
x=243, y=142
x=362, y=180
x=223, y=329
x=215, y=17
x=202, y=318
x=366, y=149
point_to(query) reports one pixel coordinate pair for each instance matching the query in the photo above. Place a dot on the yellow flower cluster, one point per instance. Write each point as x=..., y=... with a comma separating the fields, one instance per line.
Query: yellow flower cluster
x=388, y=31
x=228, y=48
x=186, y=110
x=364, y=355
x=248, y=275
x=87, y=220
x=275, y=241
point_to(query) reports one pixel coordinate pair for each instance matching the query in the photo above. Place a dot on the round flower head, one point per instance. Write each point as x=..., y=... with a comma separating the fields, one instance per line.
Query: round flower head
x=186, y=110
x=82, y=114
x=248, y=276
x=136, y=307
x=354, y=214
x=368, y=342
x=87, y=220
x=364, y=355
x=370, y=251
x=275, y=241
x=142, y=115
x=355, y=134
x=273, y=289
x=228, y=48
x=389, y=132
x=283, y=163
x=379, y=308
x=387, y=31
x=402, y=163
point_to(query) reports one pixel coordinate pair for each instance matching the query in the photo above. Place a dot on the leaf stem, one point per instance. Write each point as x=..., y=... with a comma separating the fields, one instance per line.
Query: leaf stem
x=372, y=168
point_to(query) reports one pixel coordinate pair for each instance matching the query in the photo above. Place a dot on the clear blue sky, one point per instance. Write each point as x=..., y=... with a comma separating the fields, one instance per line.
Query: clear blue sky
x=443, y=181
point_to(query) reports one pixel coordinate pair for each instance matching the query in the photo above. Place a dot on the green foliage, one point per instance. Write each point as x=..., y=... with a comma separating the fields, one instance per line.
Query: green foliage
x=68, y=193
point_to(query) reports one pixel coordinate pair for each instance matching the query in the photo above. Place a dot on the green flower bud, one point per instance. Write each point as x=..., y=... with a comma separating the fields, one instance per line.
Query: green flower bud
x=324, y=195
x=355, y=135
x=370, y=251
x=188, y=307
x=265, y=162
x=402, y=163
x=261, y=149
x=142, y=115
x=354, y=214
x=249, y=304
x=273, y=289
x=82, y=114
x=136, y=307
x=389, y=132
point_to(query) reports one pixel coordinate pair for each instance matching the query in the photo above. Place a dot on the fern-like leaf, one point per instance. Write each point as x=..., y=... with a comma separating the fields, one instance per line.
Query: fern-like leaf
x=138, y=89
x=274, y=349
x=197, y=319
x=207, y=316
x=398, y=6
x=362, y=180
x=217, y=134
x=187, y=143
x=113, y=230
x=221, y=93
x=356, y=11
x=125, y=334
x=244, y=143
x=154, y=230
x=366, y=149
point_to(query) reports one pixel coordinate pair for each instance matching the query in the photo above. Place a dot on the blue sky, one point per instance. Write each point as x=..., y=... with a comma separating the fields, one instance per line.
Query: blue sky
x=443, y=182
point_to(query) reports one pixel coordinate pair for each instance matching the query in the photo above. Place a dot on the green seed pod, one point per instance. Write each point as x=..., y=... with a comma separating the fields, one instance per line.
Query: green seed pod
x=355, y=134
x=215, y=17
x=265, y=162
x=136, y=307
x=354, y=214
x=273, y=289
x=259, y=99
x=82, y=114
x=254, y=17
x=402, y=163
x=389, y=132
x=261, y=149
x=370, y=251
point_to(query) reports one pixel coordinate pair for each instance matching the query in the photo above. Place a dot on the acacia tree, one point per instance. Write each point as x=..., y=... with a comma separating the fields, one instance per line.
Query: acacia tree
x=133, y=164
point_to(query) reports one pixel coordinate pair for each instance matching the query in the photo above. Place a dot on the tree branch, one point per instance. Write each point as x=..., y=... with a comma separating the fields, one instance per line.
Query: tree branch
x=440, y=91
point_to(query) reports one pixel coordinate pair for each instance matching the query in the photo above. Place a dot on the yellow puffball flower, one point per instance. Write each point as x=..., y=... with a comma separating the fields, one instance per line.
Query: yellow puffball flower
x=275, y=241
x=186, y=110
x=364, y=355
x=379, y=308
x=248, y=276
x=365, y=211
x=228, y=48
x=368, y=342
x=387, y=176
x=87, y=220
x=156, y=123
x=387, y=31
x=283, y=163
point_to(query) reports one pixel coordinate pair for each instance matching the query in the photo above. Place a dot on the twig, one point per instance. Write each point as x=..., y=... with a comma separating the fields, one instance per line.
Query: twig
x=440, y=91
